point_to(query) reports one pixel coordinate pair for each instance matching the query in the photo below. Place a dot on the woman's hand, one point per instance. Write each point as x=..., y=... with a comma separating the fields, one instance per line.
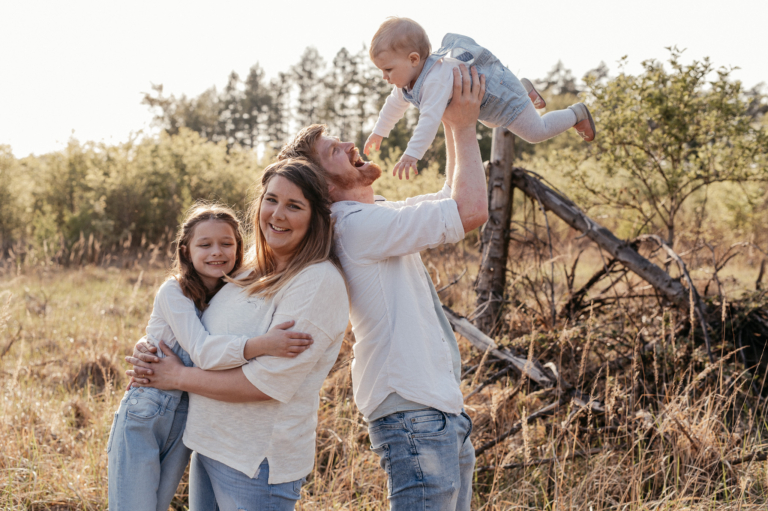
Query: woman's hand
x=278, y=342
x=144, y=352
x=165, y=374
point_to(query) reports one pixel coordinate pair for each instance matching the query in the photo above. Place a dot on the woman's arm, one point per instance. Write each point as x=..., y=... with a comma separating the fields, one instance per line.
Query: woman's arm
x=169, y=373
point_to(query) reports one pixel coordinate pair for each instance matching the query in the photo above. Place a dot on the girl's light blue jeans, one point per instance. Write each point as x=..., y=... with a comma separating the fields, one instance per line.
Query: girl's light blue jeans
x=146, y=455
x=212, y=482
x=428, y=458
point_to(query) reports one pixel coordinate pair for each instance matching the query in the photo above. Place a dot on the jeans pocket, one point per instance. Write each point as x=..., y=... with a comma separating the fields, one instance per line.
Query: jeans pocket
x=112, y=432
x=471, y=425
x=297, y=487
x=432, y=424
x=144, y=405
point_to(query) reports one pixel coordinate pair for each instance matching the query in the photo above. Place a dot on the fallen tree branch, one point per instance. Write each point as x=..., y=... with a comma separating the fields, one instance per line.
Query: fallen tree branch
x=532, y=369
x=482, y=342
x=620, y=250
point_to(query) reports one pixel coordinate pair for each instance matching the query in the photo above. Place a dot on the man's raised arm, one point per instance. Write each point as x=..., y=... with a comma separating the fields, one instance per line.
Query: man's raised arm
x=460, y=119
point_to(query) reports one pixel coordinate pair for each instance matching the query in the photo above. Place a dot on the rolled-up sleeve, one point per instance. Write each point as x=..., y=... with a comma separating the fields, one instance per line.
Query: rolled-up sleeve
x=444, y=193
x=317, y=300
x=373, y=233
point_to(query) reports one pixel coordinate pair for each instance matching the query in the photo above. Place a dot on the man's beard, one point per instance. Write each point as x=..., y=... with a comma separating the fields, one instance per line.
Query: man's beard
x=364, y=177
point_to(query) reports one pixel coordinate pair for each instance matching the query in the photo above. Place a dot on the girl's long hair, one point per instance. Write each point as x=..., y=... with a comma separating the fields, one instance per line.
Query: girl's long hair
x=182, y=268
x=317, y=245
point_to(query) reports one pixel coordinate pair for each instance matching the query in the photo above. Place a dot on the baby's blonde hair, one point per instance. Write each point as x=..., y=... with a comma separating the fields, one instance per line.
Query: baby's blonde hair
x=400, y=34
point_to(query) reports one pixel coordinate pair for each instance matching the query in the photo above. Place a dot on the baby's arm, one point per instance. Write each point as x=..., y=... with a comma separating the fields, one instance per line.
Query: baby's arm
x=436, y=93
x=393, y=110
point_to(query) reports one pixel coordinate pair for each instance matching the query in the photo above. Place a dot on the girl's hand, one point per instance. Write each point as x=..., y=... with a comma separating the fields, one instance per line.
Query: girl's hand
x=281, y=342
x=373, y=143
x=165, y=374
x=278, y=342
x=406, y=163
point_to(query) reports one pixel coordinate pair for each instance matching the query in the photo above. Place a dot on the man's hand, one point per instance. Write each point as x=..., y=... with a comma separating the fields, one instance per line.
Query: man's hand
x=467, y=97
x=406, y=163
x=373, y=143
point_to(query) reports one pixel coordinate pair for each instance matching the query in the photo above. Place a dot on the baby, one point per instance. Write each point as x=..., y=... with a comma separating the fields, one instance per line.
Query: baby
x=401, y=50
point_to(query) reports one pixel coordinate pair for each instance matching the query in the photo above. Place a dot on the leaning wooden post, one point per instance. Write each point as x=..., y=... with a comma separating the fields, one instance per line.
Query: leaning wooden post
x=492, y=277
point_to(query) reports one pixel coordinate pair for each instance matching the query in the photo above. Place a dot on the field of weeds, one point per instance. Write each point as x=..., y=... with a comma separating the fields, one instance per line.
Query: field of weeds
x=675, y=431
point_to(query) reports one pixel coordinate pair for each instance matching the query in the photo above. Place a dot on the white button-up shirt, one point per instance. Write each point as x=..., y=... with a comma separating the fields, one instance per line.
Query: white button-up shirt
x=400, y=346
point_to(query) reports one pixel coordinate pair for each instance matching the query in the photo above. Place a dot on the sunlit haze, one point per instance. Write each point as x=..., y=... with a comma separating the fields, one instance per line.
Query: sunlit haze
x=81, y=67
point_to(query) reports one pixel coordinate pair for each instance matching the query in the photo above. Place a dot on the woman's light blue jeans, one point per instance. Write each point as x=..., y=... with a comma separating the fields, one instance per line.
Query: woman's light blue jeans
x=212, y=482
x=146, y=455
x=428, y=458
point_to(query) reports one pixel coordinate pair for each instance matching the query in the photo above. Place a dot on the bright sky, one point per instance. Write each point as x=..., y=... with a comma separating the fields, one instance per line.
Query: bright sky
x=83, y=65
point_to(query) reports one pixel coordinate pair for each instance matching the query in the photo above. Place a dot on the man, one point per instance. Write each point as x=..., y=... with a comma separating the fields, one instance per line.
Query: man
x=407, y=368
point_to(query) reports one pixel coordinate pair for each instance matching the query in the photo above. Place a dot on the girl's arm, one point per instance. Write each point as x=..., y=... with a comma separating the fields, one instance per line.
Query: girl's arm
x=222, y=351
x=169, y=373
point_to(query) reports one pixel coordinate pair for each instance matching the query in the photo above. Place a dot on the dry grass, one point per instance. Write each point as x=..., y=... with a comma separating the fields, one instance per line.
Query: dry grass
x=673, y=427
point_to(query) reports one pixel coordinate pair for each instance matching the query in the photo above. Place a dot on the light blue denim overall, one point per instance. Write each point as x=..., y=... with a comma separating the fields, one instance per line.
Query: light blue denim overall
x=146, y=455
x=505, y=97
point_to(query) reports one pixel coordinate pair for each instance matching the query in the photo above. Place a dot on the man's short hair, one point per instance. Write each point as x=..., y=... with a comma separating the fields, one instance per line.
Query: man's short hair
x=303, y=144
x=400, y=35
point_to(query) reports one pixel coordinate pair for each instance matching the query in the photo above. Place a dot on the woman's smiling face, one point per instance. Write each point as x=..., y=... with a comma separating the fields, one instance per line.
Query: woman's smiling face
x=284, y=218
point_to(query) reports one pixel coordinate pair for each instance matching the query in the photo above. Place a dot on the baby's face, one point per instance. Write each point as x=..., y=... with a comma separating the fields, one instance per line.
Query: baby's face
x=398, y=68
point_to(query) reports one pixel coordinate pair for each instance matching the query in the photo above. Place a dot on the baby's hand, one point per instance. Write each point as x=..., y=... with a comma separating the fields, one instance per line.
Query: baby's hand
x=373, y=142
x=406, y=163
x=280, y=342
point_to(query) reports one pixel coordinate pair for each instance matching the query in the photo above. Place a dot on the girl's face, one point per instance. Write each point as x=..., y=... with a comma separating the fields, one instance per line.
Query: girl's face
x=284, y=218
x=212, y=250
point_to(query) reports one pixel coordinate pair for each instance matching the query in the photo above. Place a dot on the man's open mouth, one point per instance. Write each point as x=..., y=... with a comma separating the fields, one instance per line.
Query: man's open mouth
x=357, y=161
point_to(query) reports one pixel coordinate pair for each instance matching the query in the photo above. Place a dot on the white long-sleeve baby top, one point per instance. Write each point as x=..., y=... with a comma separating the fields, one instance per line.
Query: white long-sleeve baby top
x=436, y=92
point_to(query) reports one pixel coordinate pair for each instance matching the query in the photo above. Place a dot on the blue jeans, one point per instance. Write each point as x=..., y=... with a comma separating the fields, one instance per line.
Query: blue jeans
x=428, y=458
x=146, y=455
x=212, y=482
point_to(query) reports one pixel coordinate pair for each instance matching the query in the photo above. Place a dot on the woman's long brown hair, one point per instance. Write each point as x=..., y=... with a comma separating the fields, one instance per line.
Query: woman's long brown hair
x=183, y=270
x=317, y=245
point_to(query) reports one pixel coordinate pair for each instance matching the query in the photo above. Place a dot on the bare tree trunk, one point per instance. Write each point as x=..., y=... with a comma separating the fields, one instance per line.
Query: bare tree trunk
x=492, y=276
x=621, y=250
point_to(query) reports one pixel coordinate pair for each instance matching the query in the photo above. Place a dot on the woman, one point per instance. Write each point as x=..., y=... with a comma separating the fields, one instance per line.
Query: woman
x=253, y=428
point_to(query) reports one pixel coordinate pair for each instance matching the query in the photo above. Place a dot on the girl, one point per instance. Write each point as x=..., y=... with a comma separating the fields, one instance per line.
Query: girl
x=146, y=454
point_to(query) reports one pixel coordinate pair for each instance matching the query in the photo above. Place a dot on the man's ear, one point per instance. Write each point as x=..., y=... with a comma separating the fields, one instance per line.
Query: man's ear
x=415, y=58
